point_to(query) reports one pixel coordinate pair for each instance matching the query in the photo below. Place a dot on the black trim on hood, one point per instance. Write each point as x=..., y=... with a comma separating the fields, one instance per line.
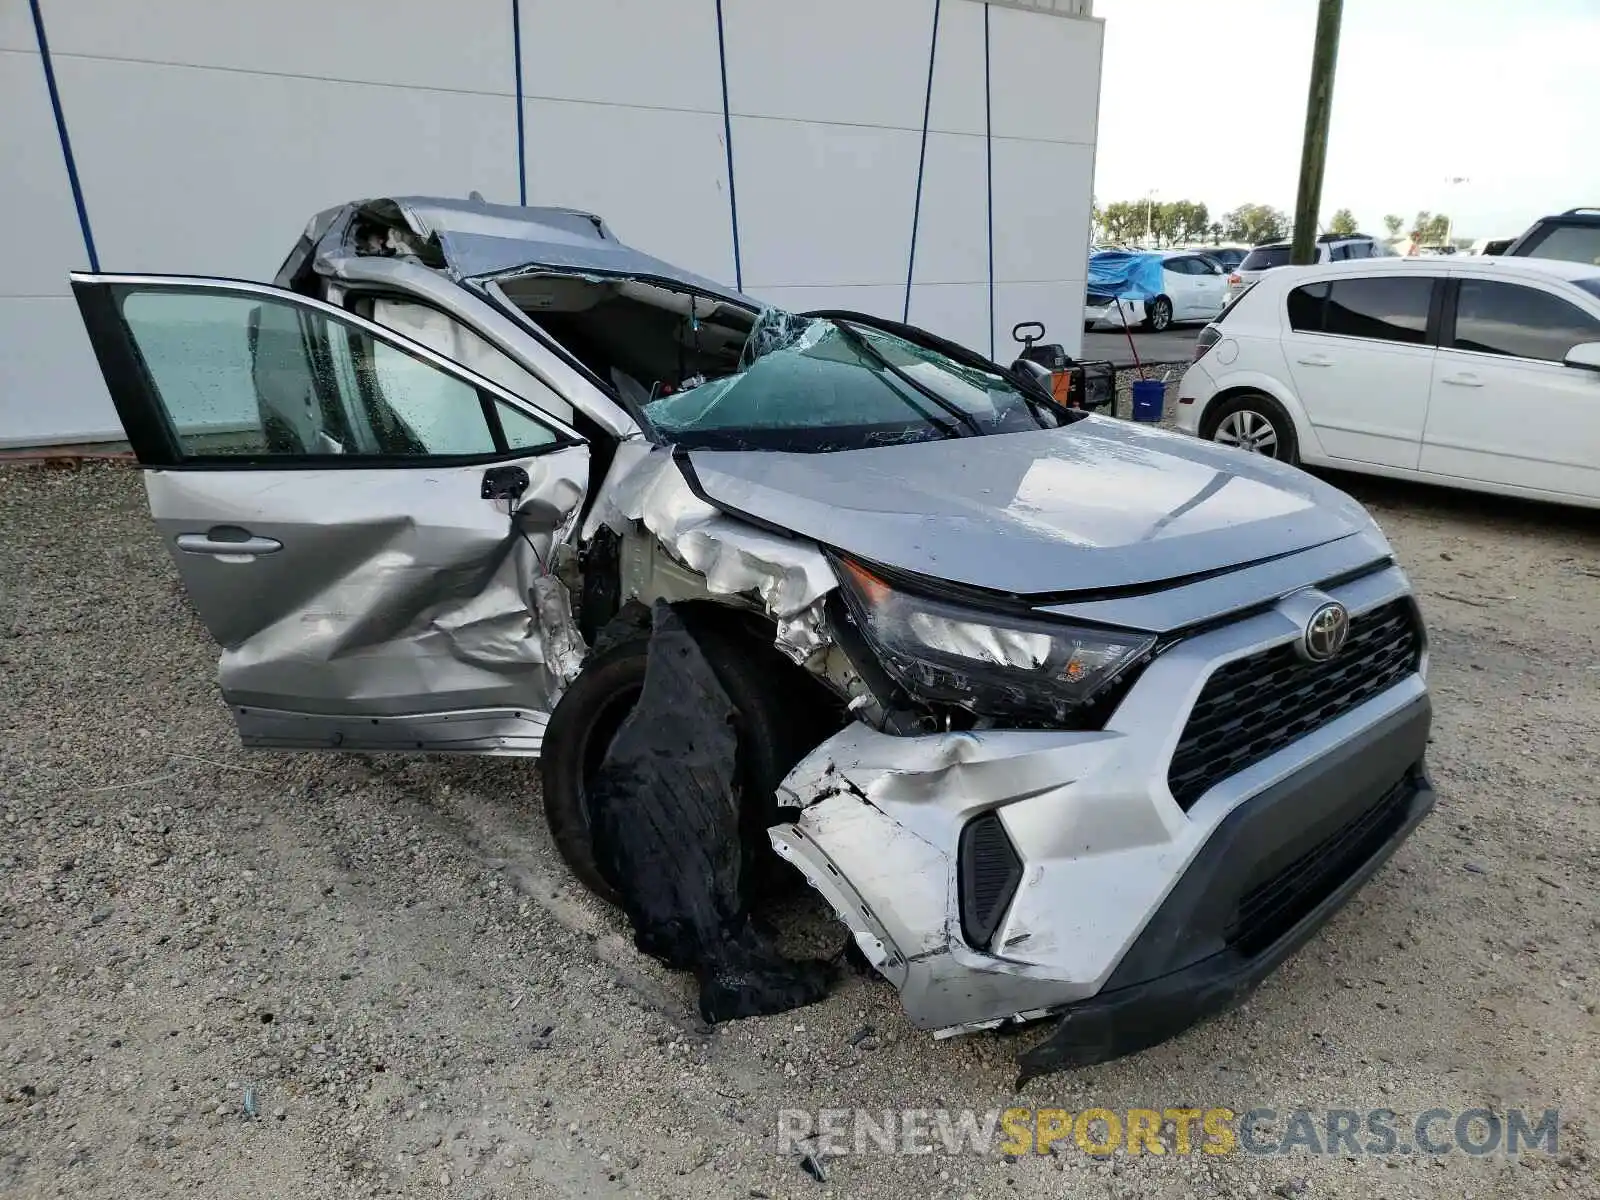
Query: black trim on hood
x=685, y=465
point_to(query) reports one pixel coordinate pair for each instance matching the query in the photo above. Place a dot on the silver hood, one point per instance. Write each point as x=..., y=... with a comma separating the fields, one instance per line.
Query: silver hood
x=1099, y=504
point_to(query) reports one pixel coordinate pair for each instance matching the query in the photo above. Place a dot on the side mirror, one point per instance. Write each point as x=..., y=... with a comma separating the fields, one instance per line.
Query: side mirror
x=1026, y=368
x=1585, y=355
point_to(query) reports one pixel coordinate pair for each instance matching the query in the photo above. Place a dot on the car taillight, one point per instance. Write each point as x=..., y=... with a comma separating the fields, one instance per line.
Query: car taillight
x=1234, y=280
x=1209, y=337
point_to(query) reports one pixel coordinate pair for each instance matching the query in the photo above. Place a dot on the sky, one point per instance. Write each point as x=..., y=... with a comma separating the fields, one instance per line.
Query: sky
x=1205, y=100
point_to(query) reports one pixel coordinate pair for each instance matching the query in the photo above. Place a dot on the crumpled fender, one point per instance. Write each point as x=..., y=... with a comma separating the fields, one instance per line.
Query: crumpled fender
x=876, y=822
x=790, y=576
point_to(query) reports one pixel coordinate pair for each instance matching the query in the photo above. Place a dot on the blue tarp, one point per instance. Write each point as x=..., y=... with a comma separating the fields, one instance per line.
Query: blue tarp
x=1126, y=274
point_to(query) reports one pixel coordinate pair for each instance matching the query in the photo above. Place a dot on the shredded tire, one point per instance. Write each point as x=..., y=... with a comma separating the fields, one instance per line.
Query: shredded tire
x=665, y=829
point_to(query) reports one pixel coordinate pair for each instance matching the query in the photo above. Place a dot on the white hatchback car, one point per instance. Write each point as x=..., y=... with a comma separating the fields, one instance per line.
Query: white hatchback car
x=1481, y=373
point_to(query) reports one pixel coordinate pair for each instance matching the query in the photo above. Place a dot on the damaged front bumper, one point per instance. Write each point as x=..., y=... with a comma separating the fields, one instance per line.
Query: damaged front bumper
x=1241, y=900
x=1111, y=905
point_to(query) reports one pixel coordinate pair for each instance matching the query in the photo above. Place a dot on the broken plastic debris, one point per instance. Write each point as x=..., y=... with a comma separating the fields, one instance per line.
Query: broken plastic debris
x=665, y=824
x=250, y=1109
x=814, y=1167
x=562, y=644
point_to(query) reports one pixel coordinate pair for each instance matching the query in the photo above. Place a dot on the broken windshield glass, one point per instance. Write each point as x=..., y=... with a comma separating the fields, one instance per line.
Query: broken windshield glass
x=818, y=384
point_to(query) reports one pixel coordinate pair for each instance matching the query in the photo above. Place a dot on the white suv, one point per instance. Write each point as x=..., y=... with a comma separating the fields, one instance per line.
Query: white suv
x=1331, y=247
x=1481, y=373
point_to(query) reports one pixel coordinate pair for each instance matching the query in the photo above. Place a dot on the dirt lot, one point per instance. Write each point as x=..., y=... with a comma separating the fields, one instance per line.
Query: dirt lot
x=385, y=960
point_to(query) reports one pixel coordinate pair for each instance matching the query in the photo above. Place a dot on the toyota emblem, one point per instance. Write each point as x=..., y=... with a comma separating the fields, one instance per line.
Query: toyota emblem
x=1326, y=632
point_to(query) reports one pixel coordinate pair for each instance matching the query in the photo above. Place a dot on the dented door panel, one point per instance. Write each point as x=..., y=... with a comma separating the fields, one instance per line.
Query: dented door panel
x=368, y=529
x=396, y=593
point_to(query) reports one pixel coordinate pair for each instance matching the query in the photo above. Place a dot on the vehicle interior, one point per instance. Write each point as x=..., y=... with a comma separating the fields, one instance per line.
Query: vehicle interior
x=648, y=340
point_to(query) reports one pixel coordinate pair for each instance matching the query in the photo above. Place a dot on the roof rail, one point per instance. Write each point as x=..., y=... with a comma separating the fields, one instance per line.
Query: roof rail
x=1575, y=212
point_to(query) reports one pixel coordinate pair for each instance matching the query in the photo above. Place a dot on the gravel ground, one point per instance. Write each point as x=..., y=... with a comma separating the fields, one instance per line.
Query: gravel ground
x=385, y=963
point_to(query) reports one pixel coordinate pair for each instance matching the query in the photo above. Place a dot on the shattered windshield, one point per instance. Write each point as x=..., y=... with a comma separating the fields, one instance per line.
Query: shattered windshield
x=817, y=384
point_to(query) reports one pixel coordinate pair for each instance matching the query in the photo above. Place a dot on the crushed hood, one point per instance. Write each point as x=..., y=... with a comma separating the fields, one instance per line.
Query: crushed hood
x=1099, y=504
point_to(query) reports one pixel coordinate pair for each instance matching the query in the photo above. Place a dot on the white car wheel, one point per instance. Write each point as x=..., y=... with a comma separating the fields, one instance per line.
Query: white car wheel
x=1254, y=423
x=1248, y=431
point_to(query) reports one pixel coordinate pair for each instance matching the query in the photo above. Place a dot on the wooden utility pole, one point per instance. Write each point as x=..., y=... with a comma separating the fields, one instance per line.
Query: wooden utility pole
x=1314, y=153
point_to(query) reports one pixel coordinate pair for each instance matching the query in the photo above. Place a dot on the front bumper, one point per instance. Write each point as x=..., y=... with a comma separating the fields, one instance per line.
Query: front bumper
x=1110, y=864
x=1108, y=316
x=1291, y=857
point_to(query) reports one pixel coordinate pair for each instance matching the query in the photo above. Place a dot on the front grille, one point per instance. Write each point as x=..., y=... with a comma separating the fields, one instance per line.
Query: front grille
x=1270, y=909
x=989, y=875
x=1253, y=707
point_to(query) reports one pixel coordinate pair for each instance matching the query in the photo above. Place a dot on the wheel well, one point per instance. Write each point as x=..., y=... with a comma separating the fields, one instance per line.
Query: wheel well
x=1208, y=417
x=738, y=622
x=805, y=696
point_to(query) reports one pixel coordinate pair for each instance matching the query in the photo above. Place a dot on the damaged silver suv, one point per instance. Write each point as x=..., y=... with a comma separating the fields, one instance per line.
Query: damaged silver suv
x=1063, y=716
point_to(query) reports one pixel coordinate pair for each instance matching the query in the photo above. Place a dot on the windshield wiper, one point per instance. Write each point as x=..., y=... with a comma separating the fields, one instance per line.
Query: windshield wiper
x=955, y=410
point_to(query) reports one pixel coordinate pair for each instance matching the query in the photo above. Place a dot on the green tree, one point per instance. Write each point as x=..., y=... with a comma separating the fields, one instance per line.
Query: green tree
x=1256, y=223
x=1392, y=223
x=1121, y=219
x=1167, y=222
x=1216, y=233
x=1429, y=228
x=1343, y=223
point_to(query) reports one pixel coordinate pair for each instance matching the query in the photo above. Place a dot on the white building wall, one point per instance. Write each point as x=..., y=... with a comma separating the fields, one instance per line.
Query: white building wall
x=205, y=133
x=49, y=383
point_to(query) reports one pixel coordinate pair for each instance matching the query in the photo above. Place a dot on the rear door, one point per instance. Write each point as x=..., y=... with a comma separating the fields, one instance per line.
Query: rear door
x=1180, y=285
x=1361, y=357
x=1211, y=288
x=1504, y=409
x=365, y=526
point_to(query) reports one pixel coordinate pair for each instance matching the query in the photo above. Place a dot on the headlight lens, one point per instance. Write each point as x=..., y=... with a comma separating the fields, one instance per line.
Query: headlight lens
x=993, y=664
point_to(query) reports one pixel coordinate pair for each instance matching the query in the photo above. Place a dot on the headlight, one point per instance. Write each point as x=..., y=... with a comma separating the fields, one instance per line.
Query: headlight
x=993, y=664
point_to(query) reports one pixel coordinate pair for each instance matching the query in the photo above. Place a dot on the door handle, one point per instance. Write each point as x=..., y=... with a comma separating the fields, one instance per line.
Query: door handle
x=1315, y=360
x=1465, y=380
x=227, y=540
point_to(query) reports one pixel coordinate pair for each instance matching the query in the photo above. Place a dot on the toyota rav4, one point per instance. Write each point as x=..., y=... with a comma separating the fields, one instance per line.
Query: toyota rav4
x=1062, y=715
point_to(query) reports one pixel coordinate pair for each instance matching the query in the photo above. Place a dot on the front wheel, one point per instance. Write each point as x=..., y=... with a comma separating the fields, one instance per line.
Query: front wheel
x=591, y=712
x=1159, y=318
x=1255, y=423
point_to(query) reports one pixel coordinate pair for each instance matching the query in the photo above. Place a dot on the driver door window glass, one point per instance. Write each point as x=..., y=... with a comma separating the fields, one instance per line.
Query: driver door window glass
x=522, y=431
x=420, y=410
x=245, y=375
x=449, y=337
x=1522, y=322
